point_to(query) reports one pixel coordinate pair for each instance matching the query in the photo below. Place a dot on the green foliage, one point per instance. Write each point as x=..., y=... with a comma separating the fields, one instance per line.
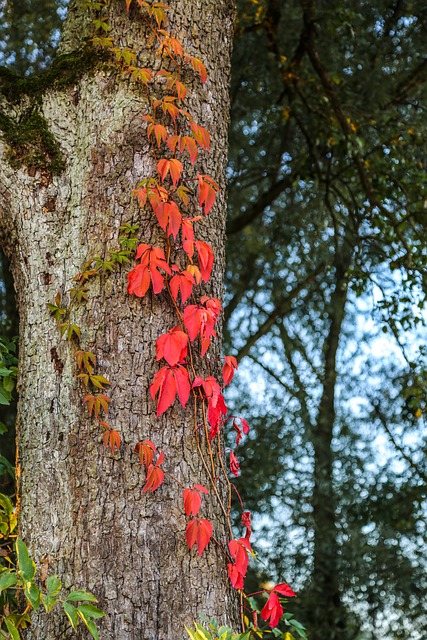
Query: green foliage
x=211, y=630
x=19, y=575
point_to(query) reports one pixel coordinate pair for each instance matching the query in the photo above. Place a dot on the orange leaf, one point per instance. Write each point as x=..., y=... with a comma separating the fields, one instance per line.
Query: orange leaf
x=145, y=450
x=173, y=166
x=201, y=135
x=155, y=475
x=112, y=439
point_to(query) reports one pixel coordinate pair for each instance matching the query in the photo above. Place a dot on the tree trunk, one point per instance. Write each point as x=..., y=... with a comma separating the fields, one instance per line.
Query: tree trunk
x=327, y=614
x=81, y=507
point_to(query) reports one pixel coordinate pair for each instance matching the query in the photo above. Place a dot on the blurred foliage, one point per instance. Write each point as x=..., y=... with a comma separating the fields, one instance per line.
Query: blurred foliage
x=29, y=32
x=326, y=284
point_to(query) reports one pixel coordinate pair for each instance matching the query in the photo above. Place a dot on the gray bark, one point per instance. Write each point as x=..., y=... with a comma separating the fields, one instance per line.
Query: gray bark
x=81, y=507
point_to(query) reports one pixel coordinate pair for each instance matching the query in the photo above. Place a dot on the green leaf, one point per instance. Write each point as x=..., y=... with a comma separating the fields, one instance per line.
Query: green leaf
x=33, y=594
x=27, y=567
x=53, y=585
x=92, y=629
x=4, y=396
x=49, y=602
x=253, y=604
x=73, y=596
x=7, y=505
x=9, y=384
x=5, y=465
x=14, y=633
x=7, y=579
x=193, y=634
x=86, y=611
x=3, y=430
x=5, y=372
x=71, y=614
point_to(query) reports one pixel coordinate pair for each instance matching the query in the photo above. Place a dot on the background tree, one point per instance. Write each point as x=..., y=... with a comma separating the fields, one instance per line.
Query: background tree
x=326, y=251
x=71, y=150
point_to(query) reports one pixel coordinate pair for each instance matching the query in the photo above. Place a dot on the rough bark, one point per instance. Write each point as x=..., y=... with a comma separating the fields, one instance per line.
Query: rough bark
x=81, y=507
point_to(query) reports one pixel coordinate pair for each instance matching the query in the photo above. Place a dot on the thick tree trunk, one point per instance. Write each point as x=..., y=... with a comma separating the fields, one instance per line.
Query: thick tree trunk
x=81, y=507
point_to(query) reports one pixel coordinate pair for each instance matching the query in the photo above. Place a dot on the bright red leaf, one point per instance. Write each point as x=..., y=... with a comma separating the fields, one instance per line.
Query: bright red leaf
x=182, y=282
x=228, y=369
x=285, y=590
x=198, y=531
x=234, y=464
x=167, y=383
x=272, y=610
x=236, y=578
x=172, y=346
x=246, y=522
x=200, y=320
x=216, y=404
x=193, y=499
x=152, y=259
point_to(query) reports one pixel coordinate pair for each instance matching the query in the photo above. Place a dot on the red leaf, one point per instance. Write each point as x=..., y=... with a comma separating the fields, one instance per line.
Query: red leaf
x=167, y=383
x=145, y=450
x=198, y=66
x=207, y=192
x=272, y=610
x=183, y=282
x=172, y=346
x=236, y=578
x=169, y=215
x=285, y=590
x=206, y=259
x=193, y=499
x=246, y=522
x=238, y=431
x=188, y=236
x=159, y=131
x=245, y=426
x=216, y=404
x=198, y=531
x=183, y=384
x=234, y=464
x=191, y=148
x=200, y=320
x=239, y=552
x=228, y=369
x=152, y=259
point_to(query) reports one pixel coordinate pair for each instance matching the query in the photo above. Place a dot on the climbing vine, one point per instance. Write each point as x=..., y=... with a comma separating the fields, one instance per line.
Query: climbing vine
x=180, y=200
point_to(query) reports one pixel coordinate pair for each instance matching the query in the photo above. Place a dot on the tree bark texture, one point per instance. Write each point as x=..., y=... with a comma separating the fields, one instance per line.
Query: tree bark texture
x=81, y=508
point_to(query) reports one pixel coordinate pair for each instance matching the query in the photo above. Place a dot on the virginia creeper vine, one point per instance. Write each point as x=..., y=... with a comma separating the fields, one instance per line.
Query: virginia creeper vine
x=180, y=200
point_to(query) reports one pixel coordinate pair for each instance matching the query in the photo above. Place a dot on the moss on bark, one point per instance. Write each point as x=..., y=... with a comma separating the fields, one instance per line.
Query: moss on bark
x=29, y=141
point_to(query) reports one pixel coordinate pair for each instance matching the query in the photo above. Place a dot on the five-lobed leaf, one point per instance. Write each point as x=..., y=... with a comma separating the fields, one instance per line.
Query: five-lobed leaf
x=198, y=532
